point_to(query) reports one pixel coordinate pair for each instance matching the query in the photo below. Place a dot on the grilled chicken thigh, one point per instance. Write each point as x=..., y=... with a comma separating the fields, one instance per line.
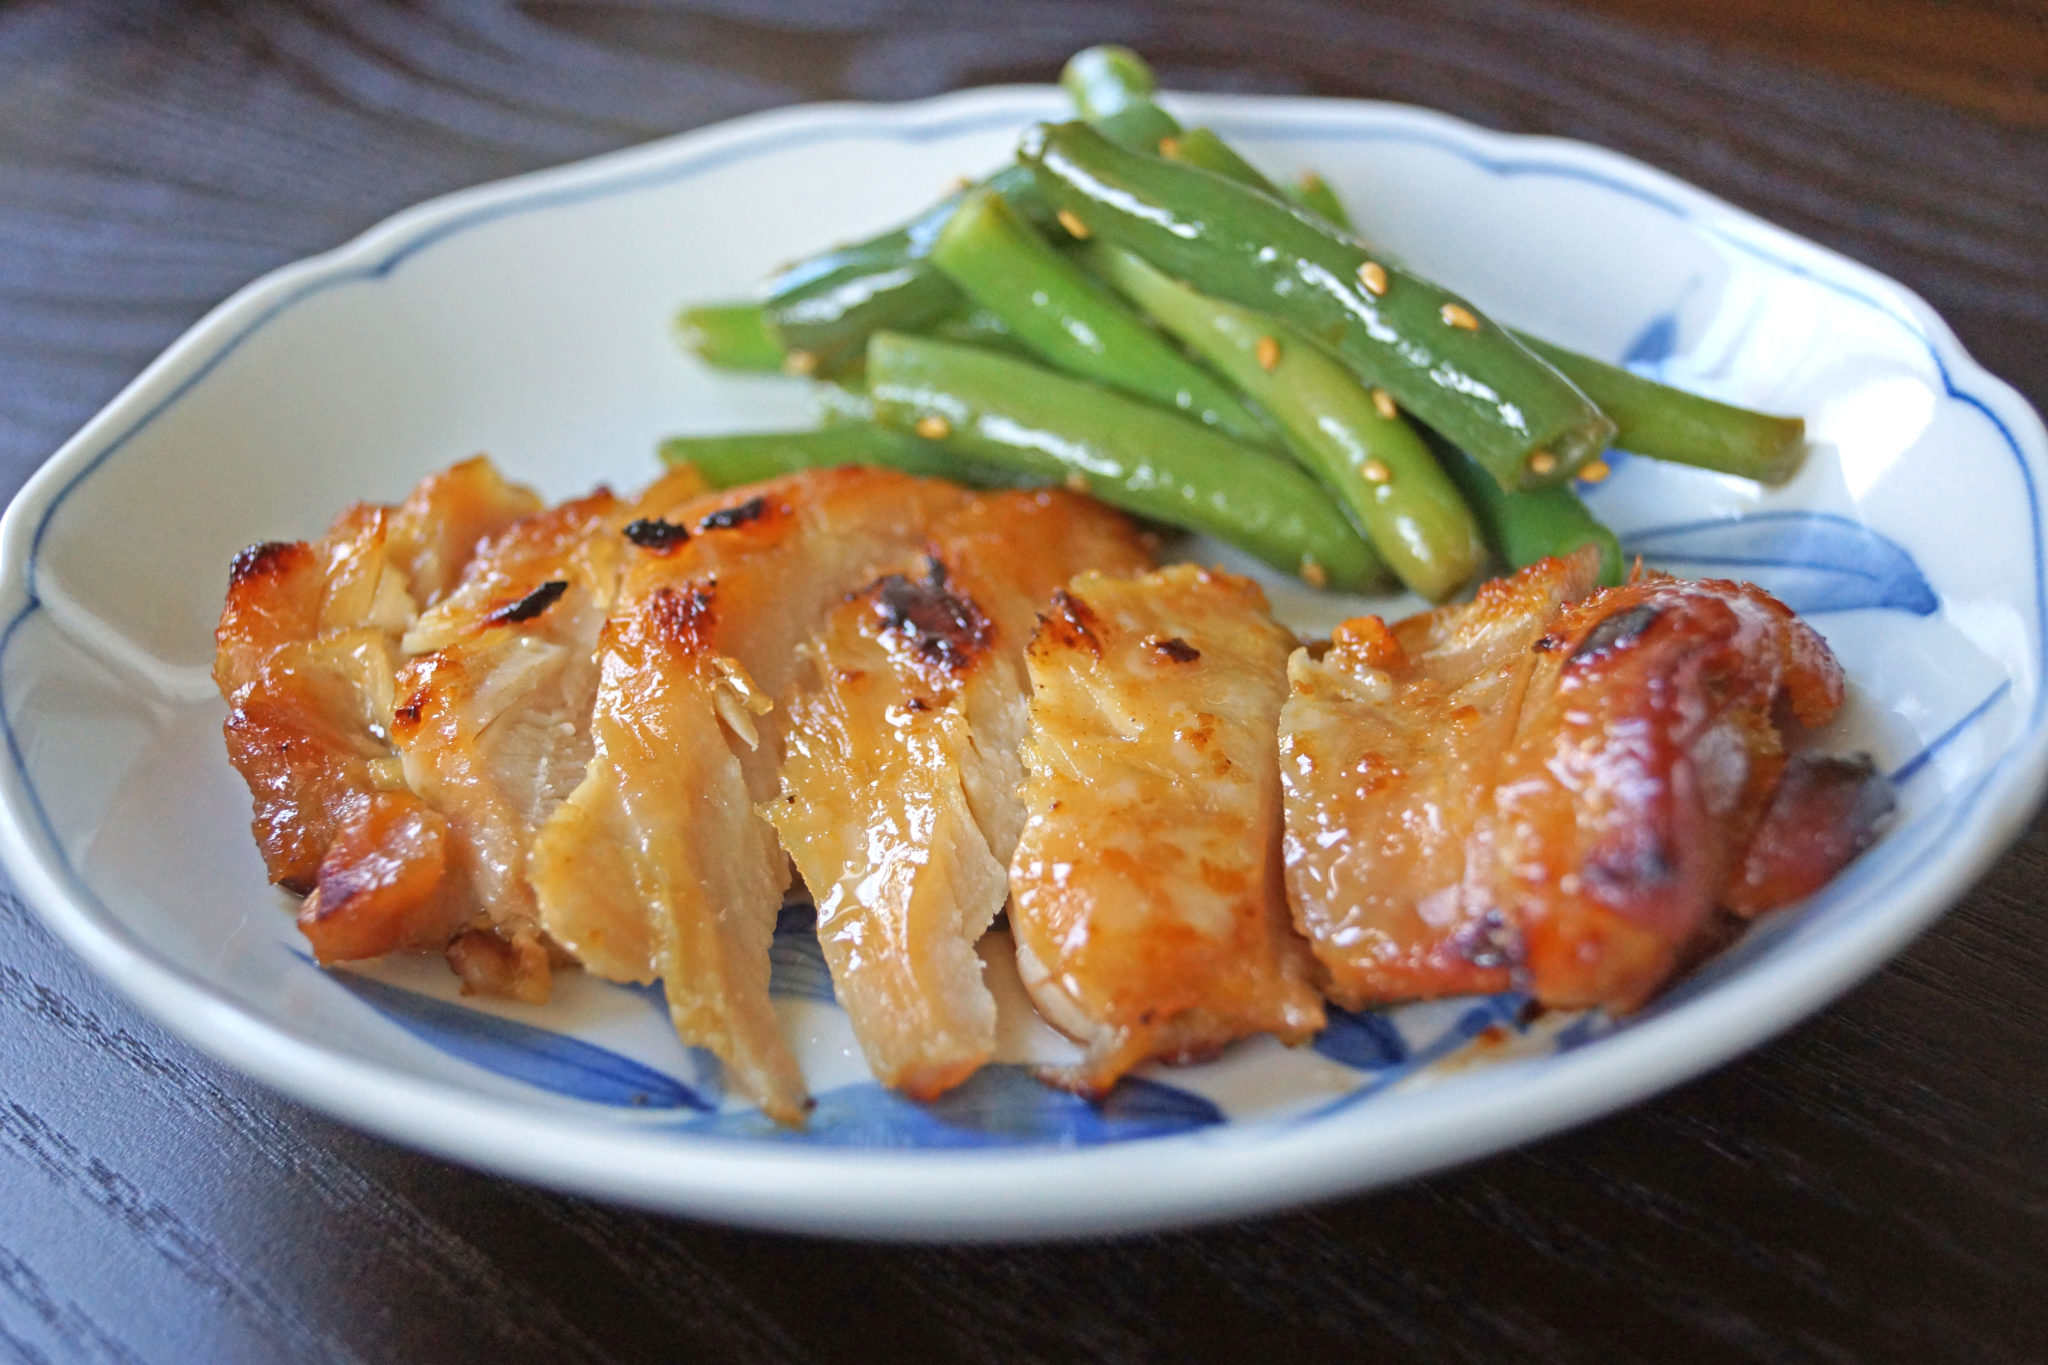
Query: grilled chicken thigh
x=1390, y=749
x=517, y=734
x=1646, y=754
x=493, y=718
x=1148, y=904
x=307, y=652
x=900, y=790
x=1558, y=789
x=659, y=864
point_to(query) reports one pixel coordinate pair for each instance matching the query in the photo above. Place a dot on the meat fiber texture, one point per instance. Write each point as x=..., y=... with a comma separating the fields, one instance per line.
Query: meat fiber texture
x=901, y=799
x=1149, y=911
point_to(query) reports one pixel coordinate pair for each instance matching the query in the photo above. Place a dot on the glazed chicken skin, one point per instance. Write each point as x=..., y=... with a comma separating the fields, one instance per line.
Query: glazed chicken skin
x=659, y=864
x=901, y=797
x=1559, y=789
x=1390, y=748
x=1647, y=754
x=1147, y=898
x=493, y=717
x=307, y=651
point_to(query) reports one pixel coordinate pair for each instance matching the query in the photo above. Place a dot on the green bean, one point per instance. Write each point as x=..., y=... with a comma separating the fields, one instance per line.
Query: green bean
x=1650, y=418
x=1313, y=193
x=1669, y=424
x=1112, y=88
x=976, y=326
x=728, y=461
x=1524, y=527
x=1071, y=322
x=1438, y=356
x=1009, y=412
x=732, y=336
x=1374, y=463
x=1201, y=148
x=823, y=308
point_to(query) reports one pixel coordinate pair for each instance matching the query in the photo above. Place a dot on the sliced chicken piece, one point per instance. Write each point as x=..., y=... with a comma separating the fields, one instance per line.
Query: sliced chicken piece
x=436, y=530
x=659, y=864
x=307, y=652
x=901, y=796
x=1645, y=756
x=291, y=592
x=1390, y=746
x=1557, y=789
x=384, y=884
x=494, y=724
x=874, y=812
x=1147, y=896
x=1009, y=553
x=304, y=737
x=494, y=721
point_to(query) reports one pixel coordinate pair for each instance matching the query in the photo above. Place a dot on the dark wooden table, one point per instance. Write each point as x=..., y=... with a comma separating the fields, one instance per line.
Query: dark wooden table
x=1874, y=1186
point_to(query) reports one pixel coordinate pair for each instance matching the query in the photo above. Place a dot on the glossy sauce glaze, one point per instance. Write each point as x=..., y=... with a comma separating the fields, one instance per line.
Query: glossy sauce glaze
x=1556, y=789
x=308, y=649
x=1148, y=906
x=901, y=794
x=602, y=733
x=660, y=865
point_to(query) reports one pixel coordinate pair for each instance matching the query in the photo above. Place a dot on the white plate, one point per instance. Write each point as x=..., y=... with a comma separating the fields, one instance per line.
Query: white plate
x=531, y=319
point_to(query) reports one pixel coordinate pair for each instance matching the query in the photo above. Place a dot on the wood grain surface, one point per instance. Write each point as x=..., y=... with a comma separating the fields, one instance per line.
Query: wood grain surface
x=1873, y=1186
x=1988, y=55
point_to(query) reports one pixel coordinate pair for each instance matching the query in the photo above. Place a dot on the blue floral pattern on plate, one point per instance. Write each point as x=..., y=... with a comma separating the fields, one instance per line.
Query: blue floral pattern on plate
x=556, y=1062
x=1813, y=562
x=1001, y=1105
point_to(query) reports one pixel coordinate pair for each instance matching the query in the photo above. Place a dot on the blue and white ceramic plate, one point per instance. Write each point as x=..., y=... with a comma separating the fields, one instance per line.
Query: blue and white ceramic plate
x=531, y=319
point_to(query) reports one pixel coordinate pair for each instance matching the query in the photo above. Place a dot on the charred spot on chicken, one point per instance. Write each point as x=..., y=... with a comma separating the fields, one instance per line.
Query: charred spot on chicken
x=1614, y=632
x=655, y=535
x=937, y=625
x=529, y=606
x=726, y=518
x=267, y=558
x=1070, y=624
